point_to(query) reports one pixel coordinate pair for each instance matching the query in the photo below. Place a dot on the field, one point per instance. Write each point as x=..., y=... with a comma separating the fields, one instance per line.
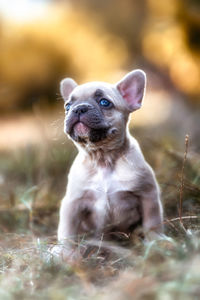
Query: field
x=33, y=181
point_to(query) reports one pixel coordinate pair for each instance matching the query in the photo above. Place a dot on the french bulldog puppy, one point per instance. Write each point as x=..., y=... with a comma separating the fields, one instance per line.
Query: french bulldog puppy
x=111, y=188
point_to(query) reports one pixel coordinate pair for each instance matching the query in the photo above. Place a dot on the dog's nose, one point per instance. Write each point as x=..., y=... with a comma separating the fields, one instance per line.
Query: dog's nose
x=80, y=109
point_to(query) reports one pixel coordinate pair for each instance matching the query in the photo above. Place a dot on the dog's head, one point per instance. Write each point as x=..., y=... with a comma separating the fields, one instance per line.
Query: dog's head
x=97, y=112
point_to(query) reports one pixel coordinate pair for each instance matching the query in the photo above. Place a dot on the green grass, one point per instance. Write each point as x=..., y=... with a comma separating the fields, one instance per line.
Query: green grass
x=32, y=183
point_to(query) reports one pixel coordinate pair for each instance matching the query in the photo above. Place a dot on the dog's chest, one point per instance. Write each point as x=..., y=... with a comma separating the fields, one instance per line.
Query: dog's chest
x=104, y=182
x=109, y=195
x=109, y=187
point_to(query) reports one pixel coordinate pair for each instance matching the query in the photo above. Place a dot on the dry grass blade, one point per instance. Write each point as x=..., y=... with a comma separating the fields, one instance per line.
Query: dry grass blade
x=182, y=180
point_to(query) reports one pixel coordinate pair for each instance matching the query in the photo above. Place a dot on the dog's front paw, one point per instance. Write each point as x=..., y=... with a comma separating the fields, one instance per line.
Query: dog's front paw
x=62, y=253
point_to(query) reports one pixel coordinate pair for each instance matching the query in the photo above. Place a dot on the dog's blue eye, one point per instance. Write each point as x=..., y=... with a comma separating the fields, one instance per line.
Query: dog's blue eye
x=105, y=103
x=67, y=106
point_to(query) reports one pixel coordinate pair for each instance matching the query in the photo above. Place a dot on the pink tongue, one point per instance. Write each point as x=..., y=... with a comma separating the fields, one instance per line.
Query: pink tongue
x=81, y=129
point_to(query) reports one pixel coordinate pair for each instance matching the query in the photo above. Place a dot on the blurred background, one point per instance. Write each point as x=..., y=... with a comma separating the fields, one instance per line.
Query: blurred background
x=43, y=41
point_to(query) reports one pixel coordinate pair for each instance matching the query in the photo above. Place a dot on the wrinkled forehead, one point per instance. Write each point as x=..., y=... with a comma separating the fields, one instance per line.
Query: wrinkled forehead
x=97, y=90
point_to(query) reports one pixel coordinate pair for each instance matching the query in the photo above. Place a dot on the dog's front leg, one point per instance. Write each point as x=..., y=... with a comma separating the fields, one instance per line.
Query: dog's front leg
x=65, y=230
x=67, y=233
x=152, y=214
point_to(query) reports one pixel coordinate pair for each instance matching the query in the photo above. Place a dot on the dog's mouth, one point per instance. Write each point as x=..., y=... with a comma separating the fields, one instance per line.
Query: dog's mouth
x=81, y=130
x=82, y=133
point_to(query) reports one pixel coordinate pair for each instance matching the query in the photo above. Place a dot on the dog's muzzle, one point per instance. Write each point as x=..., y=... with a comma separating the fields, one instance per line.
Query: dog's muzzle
x=86, y=121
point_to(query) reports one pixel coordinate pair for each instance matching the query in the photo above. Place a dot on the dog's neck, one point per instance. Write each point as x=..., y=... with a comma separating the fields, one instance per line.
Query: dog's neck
x=106, y=154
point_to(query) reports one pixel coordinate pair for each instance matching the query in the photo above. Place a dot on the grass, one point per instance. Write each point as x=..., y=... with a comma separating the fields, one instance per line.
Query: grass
x=32, y=182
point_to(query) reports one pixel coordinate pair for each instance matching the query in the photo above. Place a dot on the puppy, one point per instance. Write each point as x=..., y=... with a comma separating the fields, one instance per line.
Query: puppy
x=111, y=188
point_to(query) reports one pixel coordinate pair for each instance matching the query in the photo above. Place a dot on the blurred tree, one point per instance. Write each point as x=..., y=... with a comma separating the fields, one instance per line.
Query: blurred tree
x=163, y=36
x=35, y=56
x=93, y=40
x=123, y=18
x=190, y=18
x=29, y=70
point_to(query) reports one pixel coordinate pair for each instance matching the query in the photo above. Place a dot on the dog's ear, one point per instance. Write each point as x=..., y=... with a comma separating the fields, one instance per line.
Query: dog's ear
x=132, y=89
x=66, y=87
